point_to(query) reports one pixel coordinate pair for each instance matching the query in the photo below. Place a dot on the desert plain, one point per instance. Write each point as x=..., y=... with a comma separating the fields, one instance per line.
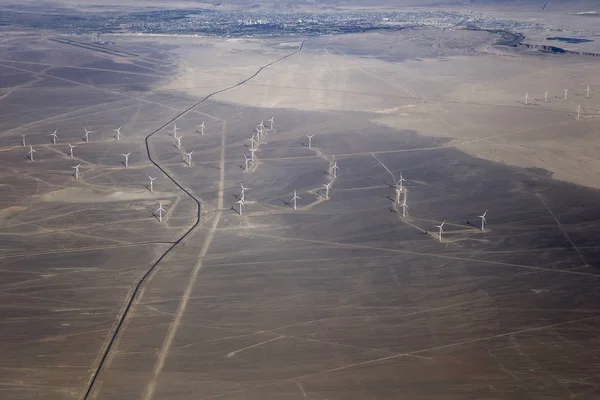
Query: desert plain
x=339, y=297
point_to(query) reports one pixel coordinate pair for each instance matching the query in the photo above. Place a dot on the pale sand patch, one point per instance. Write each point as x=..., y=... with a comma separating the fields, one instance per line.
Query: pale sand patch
x=8, y=211
x=91, y=195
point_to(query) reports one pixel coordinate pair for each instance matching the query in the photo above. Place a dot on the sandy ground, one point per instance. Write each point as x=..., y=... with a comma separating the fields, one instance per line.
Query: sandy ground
x=341, y=298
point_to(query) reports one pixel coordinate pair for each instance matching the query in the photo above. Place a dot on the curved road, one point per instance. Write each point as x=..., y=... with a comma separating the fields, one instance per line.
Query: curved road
x=129, y=302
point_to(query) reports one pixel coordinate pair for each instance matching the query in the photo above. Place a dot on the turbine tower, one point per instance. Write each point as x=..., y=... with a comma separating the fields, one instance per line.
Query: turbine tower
x=126, y=158
x=178, y=141
x=189, y=156
x=335, y=168
x=241, y=203
x=71, y=147
x=243, y=191
x=87, y=135
x=160, y=211
x=272, y=121
x=295, y=198
x=174, y=130
x=310, y=140
x=566, y=90
x=54, y=137
x=483, y=220
x=247, y=160
x=578, y=111
x=118, y=130
x=152, y=183
x=400, y=181
x=327, y=185
x=201, y=126
x=587, y=92
x=31, y=151
x=441, y=230
x=404, y=207
x=76, y=170
x=23, y=140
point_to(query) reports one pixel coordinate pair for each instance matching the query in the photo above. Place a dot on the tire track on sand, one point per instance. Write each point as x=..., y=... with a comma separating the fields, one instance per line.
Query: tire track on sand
x=104, y=356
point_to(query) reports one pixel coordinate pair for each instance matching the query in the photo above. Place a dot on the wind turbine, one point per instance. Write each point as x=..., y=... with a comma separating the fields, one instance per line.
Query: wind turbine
x=578, y=111
x=160, y=211
x=335, y=168
x=404, y=208
x=152, y=183
x=174, y=130
x=526, y=98
x=400, y=181
x=327, y=185
x=295, y=198
x=31, y=151
x=566, y=90
x=76, y=170
x=71, y=147
x=54, y=136
x=398, y=191
x=201, y=126
x=440, y=227
x=118, y=130
x=272, y=121
x=189, y=155
x=243, y=191
x=483, y=220
x=178, y=141
x=241, y=203
x=126, y=158
x=87, y=135
x=310, y=140
x=546, y=97
x=23, y=140
x=246, y=159
x=587, y=92
x=252, y=153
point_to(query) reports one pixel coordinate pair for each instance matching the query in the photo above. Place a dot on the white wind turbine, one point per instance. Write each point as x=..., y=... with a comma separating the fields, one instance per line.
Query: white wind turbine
x=23, y=140
x=87, y=135
x=246, y=160
x=483, y=220
x=174, y=130
x=160, y=211
x=178, y=141
x=253, y=142
x=587, y=92
x=566, y=90
x=201, y=126
x=335, y=168
x=272, y=121
x=578, y=111
x=441, y=230
x=242, y=204
x=31, y=151
x=126, y=155
x=404, y=207
x=118, y=130
x=310, y=140
x=295, y=198
x=76, y=170
x=189, y=156
x=546, y=96
x=401, y=181
x=327, y=186
x=526, y=98
x=398, y=192
x=243, y=191
x=252, y=155
x=54, y=136
x=71, y=147
x=152, y=183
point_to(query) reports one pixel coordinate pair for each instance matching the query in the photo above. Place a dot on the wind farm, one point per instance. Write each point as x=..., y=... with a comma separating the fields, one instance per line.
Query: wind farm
x=341, y=220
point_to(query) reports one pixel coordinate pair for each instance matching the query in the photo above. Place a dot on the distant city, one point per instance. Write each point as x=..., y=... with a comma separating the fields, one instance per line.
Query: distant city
x=256, y=24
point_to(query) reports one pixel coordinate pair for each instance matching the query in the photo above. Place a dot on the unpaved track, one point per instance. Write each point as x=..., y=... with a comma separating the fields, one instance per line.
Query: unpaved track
x=115, y=333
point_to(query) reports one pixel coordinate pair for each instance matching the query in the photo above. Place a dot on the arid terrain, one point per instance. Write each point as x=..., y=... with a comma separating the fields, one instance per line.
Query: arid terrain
x=337, y=294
